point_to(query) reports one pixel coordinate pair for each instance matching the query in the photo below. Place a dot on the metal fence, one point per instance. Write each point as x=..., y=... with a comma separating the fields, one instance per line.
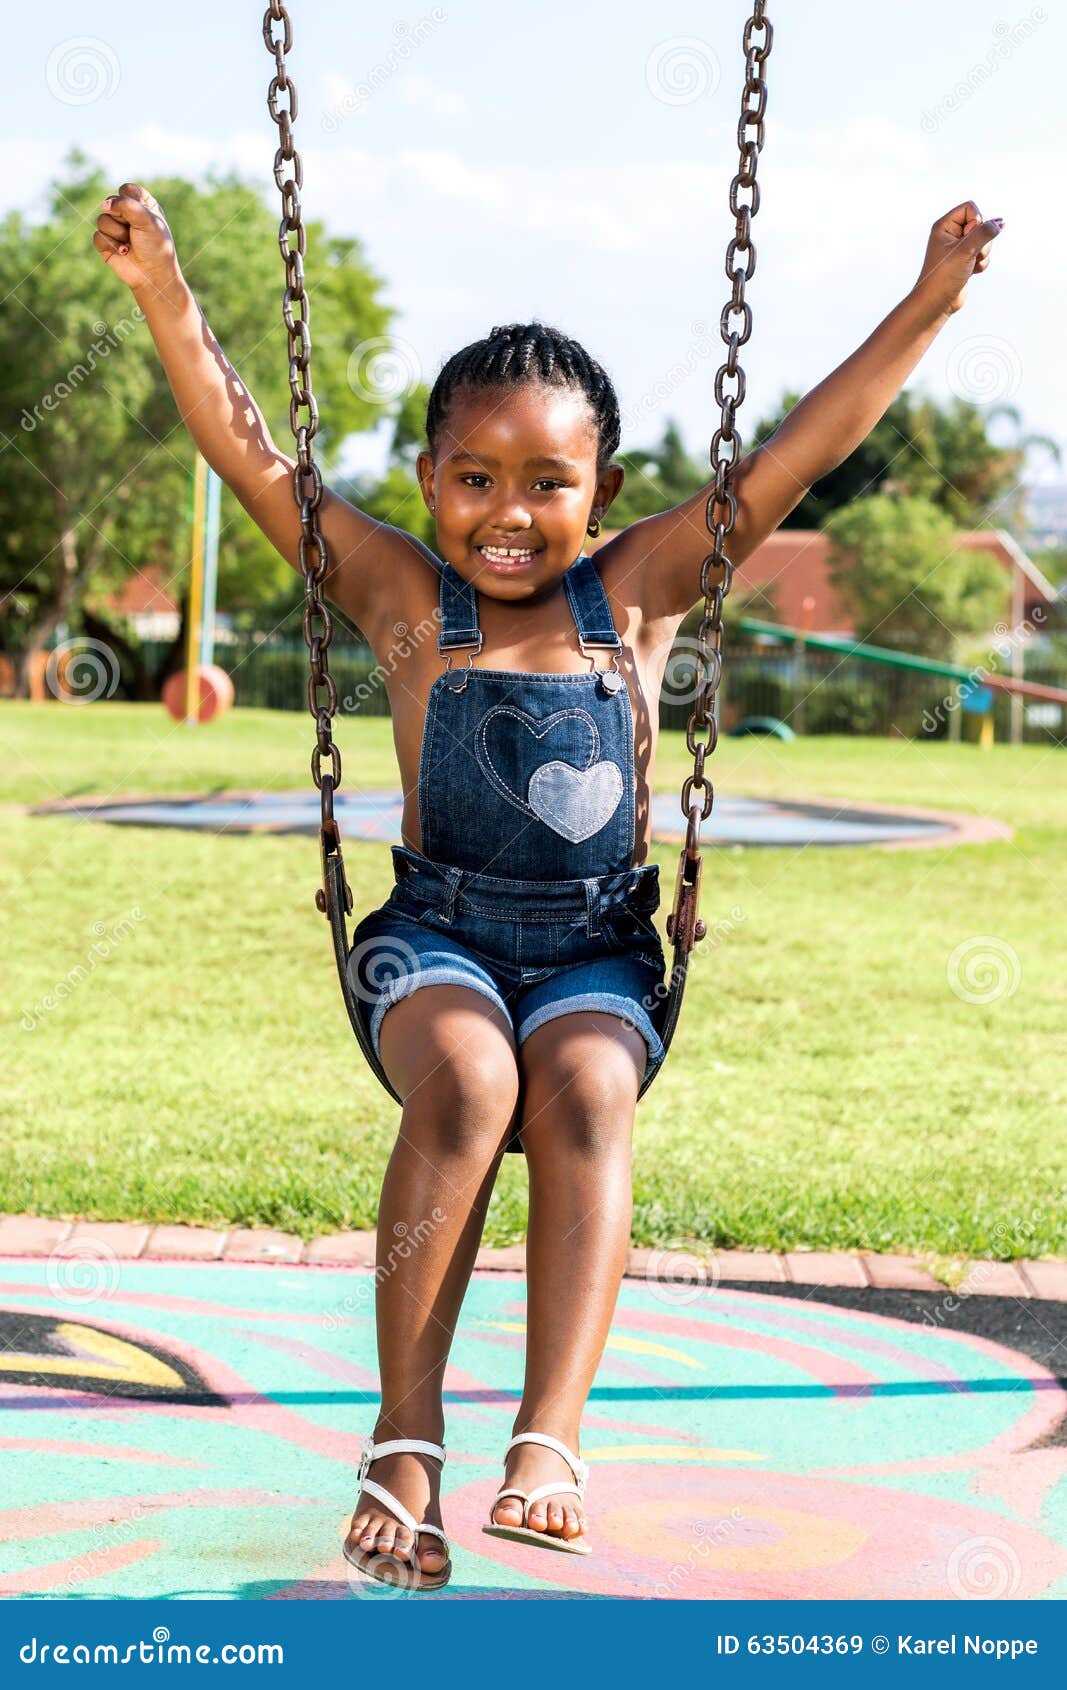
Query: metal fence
x=819, y=692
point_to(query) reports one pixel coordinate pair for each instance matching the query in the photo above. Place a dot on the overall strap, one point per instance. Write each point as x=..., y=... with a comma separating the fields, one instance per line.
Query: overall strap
x=590, y=607
x=459, y=611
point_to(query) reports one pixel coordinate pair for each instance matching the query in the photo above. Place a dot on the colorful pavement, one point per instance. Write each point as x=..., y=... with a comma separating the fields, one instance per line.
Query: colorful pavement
x=377, y=815
x=192, y=1429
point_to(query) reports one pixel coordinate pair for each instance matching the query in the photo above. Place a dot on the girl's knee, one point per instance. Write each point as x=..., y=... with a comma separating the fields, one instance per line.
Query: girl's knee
x=463, y=1094
x=581, y=1091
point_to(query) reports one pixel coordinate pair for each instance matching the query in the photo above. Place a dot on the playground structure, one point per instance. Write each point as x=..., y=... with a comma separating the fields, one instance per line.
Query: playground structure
x=977, y=684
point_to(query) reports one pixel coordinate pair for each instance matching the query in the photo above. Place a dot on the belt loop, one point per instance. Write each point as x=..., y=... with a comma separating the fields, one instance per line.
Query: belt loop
x=592, y=908
x=455, y=878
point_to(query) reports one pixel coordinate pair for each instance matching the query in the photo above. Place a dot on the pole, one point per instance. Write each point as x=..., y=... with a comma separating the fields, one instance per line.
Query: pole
x=196, y=595
x=1017, y=655
x=211, y=569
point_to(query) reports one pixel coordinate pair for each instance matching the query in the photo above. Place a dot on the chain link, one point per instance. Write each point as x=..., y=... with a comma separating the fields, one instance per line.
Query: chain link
x=701, y=734
x=307, y=478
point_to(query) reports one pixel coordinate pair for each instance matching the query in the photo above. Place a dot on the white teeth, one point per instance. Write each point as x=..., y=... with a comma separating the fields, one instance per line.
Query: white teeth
x=501, y=552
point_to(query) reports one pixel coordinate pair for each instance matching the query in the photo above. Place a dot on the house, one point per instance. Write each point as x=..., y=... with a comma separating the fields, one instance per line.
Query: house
x=145, y=601
x=787, y=579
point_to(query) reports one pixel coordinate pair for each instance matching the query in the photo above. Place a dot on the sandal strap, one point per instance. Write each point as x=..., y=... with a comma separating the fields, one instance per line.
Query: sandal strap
x=399, y=1446
x=539, y=1492
x=574, y=1462
x=386, y=1496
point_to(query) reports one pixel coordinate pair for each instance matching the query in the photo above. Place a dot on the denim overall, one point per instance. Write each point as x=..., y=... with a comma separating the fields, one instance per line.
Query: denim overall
x=524, y=889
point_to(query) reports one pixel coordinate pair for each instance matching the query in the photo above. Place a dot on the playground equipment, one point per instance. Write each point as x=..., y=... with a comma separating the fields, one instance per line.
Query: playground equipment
x=334, y=897
x=201, y=691
x=974, y=683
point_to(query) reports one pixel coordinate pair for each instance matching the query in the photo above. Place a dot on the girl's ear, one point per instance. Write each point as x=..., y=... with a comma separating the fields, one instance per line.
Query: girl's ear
x=608, y=486
x=424, y=475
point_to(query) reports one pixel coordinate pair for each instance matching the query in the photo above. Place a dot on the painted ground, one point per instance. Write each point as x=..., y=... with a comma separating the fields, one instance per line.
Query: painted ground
x=191, y=1430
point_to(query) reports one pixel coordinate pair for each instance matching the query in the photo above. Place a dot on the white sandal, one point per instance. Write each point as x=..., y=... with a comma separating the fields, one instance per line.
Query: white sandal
x=390, y=1566
x=526, y=1533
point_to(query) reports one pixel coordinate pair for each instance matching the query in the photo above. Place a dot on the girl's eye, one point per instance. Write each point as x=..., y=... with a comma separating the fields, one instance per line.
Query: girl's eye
x=476, y=475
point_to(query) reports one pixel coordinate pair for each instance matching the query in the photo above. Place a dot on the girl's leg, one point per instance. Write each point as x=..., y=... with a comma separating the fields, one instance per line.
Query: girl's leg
x=581, y=1075
x=450, y=1054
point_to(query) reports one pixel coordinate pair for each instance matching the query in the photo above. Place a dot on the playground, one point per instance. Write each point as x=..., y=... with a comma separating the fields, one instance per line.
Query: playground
x=190, y=1429
x=835, y=1365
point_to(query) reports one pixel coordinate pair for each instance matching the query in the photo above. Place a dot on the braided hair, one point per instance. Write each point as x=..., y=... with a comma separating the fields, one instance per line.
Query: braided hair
x=514, y=353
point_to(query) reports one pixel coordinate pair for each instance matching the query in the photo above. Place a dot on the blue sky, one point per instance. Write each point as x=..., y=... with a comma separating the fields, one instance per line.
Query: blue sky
x=572, y=162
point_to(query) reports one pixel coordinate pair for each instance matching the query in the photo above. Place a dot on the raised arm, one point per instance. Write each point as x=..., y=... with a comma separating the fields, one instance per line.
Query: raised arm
x=664, y=552
x=228, y=427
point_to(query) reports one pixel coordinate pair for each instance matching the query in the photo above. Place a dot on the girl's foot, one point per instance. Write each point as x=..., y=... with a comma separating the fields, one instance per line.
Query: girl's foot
x=530, y=1465
x=415, y=1480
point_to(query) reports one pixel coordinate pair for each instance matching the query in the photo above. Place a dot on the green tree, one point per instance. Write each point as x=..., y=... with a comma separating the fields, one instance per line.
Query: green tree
x=94, y=483
x=922, y=449
x=893, y=563
x=656, y=479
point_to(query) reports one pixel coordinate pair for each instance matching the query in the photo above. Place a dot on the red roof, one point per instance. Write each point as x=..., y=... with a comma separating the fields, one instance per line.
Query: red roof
x=144, y=592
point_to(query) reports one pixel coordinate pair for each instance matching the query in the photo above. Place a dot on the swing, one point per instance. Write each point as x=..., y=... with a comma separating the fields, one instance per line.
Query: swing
x=334, y=897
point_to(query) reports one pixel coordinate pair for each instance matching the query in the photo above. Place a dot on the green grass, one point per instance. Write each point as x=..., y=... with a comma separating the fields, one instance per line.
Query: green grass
x=827, y=1087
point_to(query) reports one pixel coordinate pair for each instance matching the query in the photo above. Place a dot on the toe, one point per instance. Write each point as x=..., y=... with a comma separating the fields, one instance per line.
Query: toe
x=386, y=1537
x=572, y=1523
x=555, y=1518
x=508, y=1512
x=539, y=1516
x=432, y=1554
x=403, y=1543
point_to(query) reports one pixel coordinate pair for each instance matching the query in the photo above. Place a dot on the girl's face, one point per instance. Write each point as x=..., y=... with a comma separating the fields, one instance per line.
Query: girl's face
x=514, y=484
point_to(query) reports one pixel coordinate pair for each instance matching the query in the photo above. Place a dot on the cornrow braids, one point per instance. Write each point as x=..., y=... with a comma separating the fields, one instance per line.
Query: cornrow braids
x=513, y=353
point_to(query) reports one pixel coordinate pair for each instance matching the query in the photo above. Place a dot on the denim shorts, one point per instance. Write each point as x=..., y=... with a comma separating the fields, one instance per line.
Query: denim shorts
x=538, y=949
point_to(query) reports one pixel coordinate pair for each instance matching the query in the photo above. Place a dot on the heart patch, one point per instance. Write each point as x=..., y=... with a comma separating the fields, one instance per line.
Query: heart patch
x=574, y=802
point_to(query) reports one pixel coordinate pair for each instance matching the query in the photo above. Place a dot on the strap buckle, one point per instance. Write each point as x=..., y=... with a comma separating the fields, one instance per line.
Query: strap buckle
x=682, y=924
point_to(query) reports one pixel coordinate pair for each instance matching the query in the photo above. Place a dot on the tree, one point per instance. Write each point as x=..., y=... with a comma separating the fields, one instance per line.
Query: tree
x=919, y=448
x=894, y=565
x=656, y=479
x=94, y=481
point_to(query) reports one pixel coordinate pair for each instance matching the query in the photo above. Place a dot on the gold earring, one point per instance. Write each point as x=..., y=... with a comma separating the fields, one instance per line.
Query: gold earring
x=592, y=527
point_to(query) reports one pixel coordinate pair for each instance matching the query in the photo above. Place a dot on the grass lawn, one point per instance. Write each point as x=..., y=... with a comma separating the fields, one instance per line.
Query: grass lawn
x=827, y=1086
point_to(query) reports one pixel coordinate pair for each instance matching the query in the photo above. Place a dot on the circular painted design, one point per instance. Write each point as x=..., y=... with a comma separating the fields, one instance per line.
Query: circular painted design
x=195, y=1429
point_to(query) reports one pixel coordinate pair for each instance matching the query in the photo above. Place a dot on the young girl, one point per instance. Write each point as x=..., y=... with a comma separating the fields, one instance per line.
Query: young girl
x=518, y=1015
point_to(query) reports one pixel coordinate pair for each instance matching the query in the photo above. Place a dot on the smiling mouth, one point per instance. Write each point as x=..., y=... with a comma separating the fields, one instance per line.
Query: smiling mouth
x=508, y=557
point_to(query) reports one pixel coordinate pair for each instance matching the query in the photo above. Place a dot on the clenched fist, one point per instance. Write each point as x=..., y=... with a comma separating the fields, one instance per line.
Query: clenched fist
x=134, y=241
x=958, y=249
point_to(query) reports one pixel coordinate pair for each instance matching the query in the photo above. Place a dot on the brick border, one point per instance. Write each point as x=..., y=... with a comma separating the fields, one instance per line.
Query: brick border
x=28, y=1236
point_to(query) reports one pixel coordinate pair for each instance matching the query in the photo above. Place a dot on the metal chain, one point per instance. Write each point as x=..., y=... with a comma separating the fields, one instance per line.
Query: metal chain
x=307, y=478
x=682, y=925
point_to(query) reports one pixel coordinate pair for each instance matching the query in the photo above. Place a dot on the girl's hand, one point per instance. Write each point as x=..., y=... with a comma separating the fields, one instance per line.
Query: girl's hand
x=134, y=241
x=958, y=249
